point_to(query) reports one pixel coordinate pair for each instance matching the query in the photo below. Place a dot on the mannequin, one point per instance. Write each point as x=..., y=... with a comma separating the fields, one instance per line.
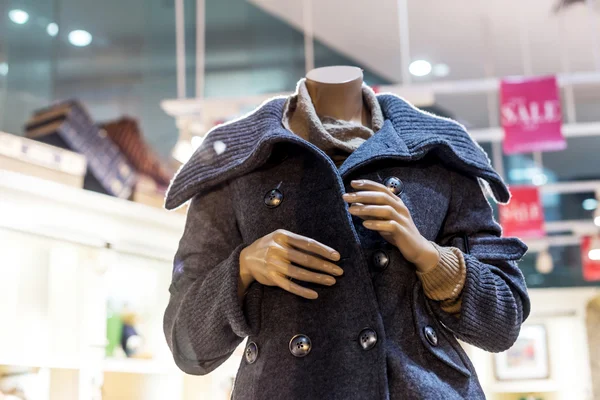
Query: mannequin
x=348, y=238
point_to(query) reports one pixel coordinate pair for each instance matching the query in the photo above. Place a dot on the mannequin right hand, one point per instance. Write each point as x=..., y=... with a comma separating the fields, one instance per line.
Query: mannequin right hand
x=280, y=255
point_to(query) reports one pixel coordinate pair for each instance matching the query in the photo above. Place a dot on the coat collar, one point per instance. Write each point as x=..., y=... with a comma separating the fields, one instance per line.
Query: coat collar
x=238, y=147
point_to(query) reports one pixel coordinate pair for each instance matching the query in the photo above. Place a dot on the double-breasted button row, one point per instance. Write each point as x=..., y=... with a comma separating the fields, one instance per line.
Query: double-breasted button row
x=395, y=185
x=300, y=345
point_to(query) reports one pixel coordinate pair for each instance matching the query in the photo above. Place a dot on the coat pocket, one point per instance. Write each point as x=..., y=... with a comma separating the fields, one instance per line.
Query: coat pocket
x=434, y=336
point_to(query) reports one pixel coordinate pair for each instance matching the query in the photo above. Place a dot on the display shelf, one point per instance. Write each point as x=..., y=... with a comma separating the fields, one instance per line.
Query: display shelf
x=62, y=363
x=33, y=205
x=526, y=386
x=138, y=366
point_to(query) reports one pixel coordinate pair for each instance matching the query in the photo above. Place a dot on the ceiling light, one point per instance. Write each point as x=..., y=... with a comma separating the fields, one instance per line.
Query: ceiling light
x=441, y=70
x=80, y=38
x=52, y=29
x=420, y=68
x=597, y=217
x=3, y=69
x=18, y=16
x=589, y=204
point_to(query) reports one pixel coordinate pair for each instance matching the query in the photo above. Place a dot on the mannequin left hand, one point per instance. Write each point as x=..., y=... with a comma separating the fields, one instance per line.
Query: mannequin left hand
x=387, y=214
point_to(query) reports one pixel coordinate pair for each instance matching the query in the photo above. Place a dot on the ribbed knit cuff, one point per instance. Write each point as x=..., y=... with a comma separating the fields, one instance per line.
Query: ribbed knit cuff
x=446, y=280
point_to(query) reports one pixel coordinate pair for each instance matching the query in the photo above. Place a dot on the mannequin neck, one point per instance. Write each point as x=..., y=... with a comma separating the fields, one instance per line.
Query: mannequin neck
x=342, y=101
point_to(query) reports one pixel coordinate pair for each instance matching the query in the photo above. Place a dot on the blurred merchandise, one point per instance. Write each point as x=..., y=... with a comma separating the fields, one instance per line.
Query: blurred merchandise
x=125, y=133
x=131, y=342
x=114, y=331
x=68, y=125
x=29, y=157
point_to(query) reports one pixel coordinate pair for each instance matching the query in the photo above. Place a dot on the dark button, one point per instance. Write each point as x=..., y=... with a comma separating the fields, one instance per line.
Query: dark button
x=394, y=184
x=430, y=335
x=273, y=198
x=367, y=338
x=251, y=352
x=380, y=259
x=300, y=345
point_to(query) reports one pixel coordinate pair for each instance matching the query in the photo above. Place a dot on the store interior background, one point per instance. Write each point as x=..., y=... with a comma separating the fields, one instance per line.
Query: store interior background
x=57, y=273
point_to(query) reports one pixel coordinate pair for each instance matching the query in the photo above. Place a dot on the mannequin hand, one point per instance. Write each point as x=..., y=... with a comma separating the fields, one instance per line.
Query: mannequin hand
x=273, y=258
x=386, y=213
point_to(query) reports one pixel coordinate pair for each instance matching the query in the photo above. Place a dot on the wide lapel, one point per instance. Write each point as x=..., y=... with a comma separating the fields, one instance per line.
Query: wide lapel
x=385, y=143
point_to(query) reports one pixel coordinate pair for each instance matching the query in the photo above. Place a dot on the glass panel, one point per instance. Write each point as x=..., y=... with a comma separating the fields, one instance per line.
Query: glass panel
x=567, y=269
x=26, y=54
x=578, y=162
x=571, y=206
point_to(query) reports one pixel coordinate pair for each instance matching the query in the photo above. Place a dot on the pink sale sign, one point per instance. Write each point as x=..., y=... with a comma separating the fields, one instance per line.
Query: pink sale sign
x=531, y=115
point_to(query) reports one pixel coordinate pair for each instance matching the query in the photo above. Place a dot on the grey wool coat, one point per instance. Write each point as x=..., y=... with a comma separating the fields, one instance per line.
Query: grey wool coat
x=374, y=334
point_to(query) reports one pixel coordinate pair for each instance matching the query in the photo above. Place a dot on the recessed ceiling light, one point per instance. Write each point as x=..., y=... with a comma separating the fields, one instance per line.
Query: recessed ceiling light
x=420, y=68
x=18, y=16
x=52, y=29
x=441, y=70
x=80, y=38
x=3, y=68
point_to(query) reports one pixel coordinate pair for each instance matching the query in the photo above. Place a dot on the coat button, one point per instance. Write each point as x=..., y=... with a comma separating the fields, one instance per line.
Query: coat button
x=367, y=338
x=251, y=352
x=394, y=184
x=273, y=198
x=380, y=259
x=431, y=335
x=300, y=345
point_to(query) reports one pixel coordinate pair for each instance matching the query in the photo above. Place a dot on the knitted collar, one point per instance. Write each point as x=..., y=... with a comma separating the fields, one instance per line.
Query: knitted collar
x=240, y=146
x=337, y=138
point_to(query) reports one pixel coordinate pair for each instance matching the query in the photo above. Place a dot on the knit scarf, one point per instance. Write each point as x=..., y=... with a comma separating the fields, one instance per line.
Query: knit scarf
x=337, y=138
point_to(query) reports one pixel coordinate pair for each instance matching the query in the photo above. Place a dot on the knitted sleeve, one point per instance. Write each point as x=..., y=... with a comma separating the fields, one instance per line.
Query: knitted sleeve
x=494, y=299
x=204, y=321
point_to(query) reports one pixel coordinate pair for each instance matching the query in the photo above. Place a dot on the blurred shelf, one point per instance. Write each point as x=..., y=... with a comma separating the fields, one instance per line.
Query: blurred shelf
x=138, y=366
x=526, y=386
x=33, y=205
x=62, y=363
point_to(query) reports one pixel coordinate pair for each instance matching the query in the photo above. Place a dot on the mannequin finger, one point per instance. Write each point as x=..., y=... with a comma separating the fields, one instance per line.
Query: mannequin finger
x=366, y=184
x=382, y=226
x=374, y=212
x=294, y=288
x=370, y=197
x=309, y=261
x=284, y=237
x=286, y=269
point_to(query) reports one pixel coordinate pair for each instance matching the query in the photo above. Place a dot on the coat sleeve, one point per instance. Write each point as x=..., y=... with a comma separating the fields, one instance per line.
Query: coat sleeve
x=494, y=296
x=204, y=321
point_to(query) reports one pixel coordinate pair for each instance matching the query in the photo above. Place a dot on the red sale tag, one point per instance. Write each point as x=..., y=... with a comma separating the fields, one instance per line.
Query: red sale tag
x=590, y=258
x=531, y=115
x=523, y=216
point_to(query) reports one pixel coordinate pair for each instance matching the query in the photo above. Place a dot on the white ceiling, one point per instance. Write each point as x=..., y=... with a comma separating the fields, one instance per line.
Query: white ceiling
x=466, y=35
